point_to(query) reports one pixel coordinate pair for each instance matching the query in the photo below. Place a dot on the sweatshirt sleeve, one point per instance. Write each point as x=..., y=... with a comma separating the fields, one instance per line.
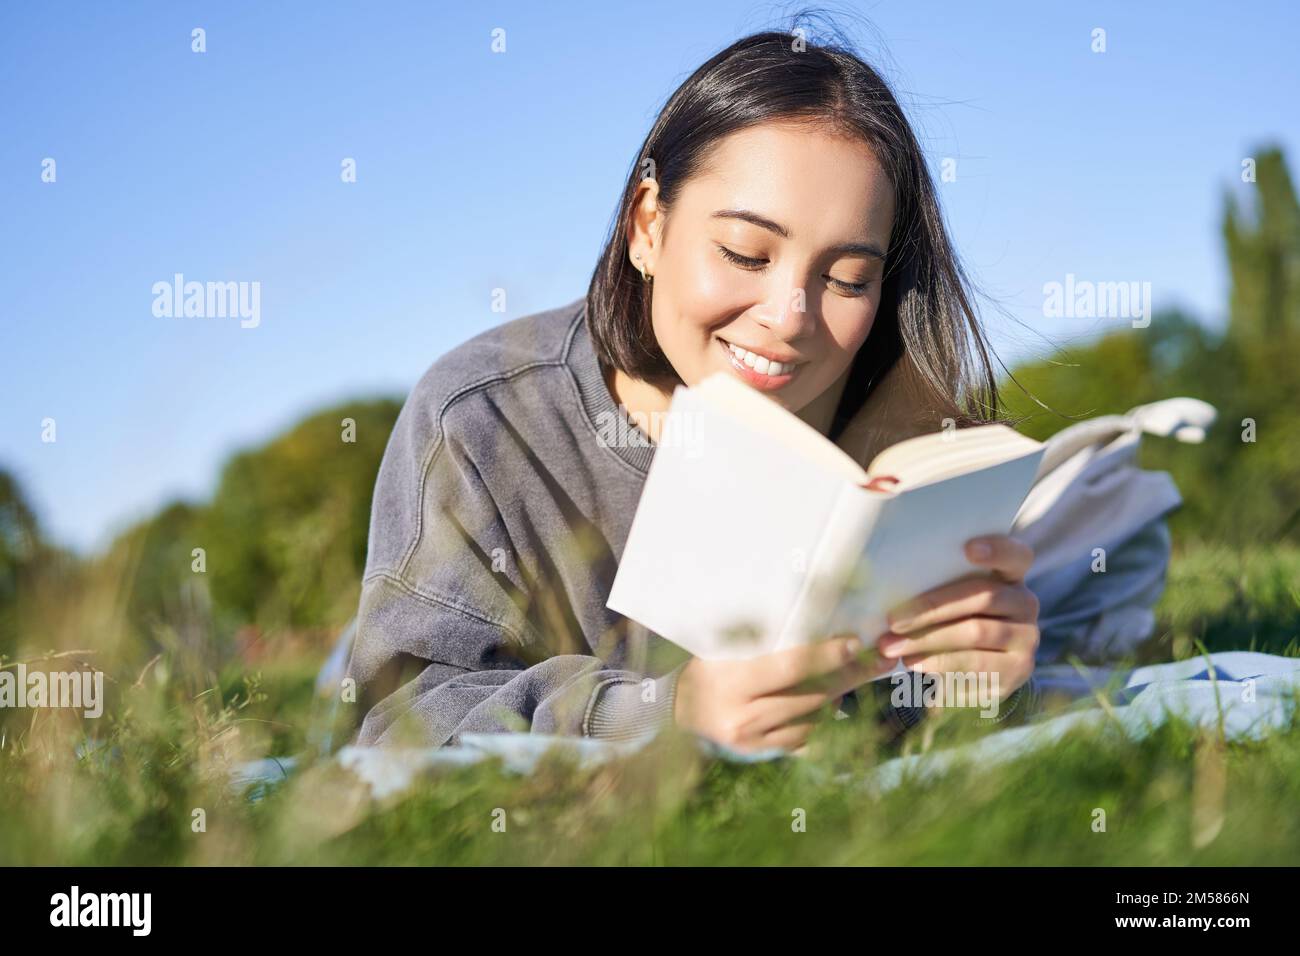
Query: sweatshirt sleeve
x=430, y=672
x=454, y=635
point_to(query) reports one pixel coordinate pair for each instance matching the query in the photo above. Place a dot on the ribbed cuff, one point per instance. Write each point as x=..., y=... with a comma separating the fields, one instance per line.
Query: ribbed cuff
x=901, y=719
x=1024, y=698
x=627, y=709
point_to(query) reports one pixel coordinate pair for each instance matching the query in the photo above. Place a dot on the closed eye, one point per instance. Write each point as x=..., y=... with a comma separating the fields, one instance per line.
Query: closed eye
x=849, y=288
x=745, y=262
x=759, y=265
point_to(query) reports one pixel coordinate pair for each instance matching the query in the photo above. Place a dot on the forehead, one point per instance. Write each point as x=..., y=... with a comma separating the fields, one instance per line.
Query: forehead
x=822, y=185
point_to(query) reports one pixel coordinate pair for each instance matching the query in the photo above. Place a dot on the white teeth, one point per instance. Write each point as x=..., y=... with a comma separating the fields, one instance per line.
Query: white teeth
x=759, y=364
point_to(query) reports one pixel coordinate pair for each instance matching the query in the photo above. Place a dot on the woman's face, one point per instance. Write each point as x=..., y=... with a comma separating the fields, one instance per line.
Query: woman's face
x=776, y=248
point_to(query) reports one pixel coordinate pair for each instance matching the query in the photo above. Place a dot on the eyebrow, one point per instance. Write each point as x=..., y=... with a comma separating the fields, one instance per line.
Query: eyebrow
x=844, y=248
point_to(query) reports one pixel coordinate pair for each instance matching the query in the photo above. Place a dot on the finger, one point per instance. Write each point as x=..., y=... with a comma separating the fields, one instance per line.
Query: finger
x=955, y=662
x=782, y=709
x=1011, y=669
x=971, y=633
x=778, y=709
x=1007, y=557
x=866, y=667
x=788, y=737
x=797, y=667
x=964, y=598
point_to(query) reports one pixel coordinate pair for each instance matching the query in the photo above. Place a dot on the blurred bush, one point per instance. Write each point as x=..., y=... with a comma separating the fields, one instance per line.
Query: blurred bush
x=279, y=549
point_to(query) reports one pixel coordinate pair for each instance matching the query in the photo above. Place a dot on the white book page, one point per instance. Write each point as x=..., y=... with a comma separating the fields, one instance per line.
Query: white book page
x=919, y=536
x=762, y=413
x=939, y=455
x=837, y=557
x=727, y=524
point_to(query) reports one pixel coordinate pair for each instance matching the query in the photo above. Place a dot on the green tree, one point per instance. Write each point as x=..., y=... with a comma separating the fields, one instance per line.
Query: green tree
x=1234, y=490
x=285, y=534
x=1261, y=232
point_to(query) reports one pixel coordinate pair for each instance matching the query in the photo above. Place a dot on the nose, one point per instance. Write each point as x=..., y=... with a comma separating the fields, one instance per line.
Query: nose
x=785, y=312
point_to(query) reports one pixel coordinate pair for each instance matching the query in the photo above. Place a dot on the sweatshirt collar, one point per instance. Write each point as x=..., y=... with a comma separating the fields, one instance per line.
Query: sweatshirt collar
x=615, y=430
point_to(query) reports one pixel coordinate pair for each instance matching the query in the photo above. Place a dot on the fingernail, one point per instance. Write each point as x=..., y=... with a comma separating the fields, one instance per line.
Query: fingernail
x=853, y=645
x=892, y=646
x=901, y=624
x=980, y=550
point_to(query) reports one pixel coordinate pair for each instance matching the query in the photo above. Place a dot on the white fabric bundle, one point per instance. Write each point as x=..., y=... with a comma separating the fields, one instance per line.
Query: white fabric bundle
x=1092, y=507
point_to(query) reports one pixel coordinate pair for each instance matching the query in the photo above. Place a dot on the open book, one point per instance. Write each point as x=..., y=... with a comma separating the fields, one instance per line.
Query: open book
x=755, y=532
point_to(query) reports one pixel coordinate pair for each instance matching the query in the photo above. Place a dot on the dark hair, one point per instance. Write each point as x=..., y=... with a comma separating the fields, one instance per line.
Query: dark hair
x=926, y=309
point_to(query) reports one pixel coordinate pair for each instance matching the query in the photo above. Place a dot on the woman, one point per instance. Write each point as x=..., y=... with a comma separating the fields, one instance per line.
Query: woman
x=779, y=222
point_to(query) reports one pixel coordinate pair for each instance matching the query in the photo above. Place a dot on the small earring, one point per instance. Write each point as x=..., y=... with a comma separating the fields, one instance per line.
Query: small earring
x=636, y=257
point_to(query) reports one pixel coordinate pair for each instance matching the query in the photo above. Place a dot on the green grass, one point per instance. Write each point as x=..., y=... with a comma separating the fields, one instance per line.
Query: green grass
x=1180, y=796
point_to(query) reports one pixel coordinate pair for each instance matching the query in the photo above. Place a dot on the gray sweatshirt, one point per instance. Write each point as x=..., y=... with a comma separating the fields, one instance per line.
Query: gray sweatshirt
x=500, y=512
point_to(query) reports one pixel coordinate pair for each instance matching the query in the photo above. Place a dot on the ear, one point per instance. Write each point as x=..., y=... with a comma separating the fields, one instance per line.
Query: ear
x=901, y=405
x=645, y=223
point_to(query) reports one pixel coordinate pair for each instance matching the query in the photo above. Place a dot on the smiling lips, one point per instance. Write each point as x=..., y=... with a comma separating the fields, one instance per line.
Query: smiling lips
x=758, y=370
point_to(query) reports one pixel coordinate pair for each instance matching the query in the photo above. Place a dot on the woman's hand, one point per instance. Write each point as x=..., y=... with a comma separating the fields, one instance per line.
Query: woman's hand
x=976, y=625
x=772, y=700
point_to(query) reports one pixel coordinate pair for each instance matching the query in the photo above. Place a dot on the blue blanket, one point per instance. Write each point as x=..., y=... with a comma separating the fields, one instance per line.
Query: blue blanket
x=1245, y=694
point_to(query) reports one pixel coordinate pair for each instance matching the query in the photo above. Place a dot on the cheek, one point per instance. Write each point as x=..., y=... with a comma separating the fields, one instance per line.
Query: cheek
x=702, y=293
x=851, y=321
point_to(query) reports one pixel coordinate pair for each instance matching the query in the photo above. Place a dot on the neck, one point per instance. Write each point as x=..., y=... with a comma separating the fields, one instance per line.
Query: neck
x=820, y=412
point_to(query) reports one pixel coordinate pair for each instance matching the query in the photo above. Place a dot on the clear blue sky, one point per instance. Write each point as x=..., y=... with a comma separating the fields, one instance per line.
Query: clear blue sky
x=478, y=170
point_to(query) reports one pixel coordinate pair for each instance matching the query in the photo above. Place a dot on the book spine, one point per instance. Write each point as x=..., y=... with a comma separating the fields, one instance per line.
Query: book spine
x=834, y=560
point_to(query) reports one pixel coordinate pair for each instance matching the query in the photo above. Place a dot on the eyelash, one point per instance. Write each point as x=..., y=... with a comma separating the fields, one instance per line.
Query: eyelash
x=759, y=265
